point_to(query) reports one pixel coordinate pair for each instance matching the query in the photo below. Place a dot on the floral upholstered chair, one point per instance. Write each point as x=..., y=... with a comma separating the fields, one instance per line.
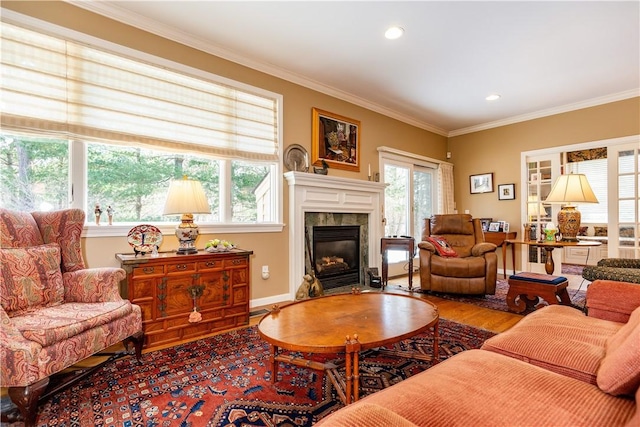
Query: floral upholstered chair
x=54, y=312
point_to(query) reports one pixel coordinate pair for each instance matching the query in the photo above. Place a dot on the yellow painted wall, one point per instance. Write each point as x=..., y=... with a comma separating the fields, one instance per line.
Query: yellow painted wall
x=269, y=248
x=499, y=151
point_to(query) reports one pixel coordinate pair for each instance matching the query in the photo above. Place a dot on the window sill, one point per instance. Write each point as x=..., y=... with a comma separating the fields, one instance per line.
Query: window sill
x=122, y=230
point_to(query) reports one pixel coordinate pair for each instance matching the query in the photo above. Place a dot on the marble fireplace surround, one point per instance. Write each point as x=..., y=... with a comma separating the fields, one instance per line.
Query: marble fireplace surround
x=310, y=193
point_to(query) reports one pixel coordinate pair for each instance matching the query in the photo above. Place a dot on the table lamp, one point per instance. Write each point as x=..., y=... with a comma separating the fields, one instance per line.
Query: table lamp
x=570, y=190
x=186, y=197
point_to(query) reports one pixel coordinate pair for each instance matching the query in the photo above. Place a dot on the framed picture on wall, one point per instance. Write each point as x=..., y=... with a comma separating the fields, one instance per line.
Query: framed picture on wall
x=482, y=183
x=506, y=192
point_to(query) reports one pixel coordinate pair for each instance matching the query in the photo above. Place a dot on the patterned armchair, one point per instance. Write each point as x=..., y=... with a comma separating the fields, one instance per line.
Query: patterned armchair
x=54, y=312
x=617, y=269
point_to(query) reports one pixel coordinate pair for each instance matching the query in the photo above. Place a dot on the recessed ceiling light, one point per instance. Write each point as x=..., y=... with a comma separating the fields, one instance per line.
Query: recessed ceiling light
x=493, y=97
x=394, y=33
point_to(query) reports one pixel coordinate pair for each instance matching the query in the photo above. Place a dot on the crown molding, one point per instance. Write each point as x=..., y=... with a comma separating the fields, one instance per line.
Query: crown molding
x=114, y=12
x=548, y=112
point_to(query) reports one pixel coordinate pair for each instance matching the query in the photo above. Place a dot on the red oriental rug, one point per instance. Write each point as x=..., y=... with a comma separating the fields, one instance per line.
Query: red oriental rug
x=225, y=380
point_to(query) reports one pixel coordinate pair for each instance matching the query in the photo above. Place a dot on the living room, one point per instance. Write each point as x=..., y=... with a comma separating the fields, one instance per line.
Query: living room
x=496, y=149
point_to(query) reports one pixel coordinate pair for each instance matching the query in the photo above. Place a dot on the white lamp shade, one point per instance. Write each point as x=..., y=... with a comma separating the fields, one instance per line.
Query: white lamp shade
x=186, y=196
x=571, y=189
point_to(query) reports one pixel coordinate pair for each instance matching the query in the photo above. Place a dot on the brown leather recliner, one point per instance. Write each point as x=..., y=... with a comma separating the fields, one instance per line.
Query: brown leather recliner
x=473, y=271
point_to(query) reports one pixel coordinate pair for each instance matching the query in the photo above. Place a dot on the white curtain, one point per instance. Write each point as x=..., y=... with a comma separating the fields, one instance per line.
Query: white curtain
x=445, y=188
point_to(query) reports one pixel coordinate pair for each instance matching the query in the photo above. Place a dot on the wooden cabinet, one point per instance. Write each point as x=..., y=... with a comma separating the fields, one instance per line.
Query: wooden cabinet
x=167, y=286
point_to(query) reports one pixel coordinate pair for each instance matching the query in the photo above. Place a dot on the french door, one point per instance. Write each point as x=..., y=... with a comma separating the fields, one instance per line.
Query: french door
x=410, y=196
x=624, y=201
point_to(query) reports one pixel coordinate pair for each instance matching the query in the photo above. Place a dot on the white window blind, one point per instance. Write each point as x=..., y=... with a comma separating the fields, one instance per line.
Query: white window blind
x=55, y=86
x=596, y=172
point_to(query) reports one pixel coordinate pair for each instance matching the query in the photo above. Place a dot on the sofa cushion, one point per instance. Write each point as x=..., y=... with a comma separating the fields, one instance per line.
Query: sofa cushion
x=558, y=338
x=53, y=324
x=482, y=388
x=442, y=246
x=30, y=278
x=619, y=371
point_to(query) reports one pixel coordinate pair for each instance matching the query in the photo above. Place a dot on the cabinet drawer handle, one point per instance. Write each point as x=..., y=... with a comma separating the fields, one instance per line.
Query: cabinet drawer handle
x=148, y=270
x=210, y=264
x=181, y=266
x=237, y=261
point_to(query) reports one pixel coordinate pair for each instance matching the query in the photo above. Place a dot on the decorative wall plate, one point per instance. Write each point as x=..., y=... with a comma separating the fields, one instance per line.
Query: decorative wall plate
x=294, y=158
x=144, y=238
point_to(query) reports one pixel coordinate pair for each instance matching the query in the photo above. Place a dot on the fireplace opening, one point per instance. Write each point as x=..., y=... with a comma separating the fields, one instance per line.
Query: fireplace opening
x=336, y=255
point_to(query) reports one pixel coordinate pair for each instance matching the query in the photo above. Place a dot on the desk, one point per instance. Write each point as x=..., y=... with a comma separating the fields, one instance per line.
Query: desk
x=398, y=243
x=549, y=246
x=501, y=239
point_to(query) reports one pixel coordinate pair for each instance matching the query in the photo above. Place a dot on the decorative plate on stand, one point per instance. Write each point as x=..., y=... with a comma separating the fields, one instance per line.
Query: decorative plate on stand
x=296, y=158
x=144, y=238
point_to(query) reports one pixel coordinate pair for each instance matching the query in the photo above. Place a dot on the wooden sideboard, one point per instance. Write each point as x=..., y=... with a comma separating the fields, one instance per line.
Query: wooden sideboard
x=167, y=286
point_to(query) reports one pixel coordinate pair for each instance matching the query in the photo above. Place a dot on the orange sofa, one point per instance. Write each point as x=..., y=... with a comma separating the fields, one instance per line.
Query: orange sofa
x=556, y=367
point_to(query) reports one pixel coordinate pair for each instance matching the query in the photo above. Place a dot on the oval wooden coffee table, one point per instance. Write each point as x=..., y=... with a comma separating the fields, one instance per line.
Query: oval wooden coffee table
x=345, y=323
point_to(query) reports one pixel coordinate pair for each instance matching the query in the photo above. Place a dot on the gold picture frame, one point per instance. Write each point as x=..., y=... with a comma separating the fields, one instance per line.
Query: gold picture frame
x=335, y=139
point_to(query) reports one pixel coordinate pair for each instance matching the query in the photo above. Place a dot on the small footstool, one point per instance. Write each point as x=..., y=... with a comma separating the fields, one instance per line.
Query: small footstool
x=527, y=289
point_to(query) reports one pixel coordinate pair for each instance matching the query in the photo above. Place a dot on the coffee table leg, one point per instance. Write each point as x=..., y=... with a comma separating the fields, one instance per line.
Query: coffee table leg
x=352, y=347
x=274, y=364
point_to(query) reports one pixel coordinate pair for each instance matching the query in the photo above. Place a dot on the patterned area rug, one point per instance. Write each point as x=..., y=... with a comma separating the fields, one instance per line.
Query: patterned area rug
x=498, y=301
x=225, y=381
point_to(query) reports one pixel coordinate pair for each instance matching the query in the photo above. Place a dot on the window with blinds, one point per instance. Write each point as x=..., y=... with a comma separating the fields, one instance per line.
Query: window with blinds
x=55, y=86
x=92, y=128
x=592, y=163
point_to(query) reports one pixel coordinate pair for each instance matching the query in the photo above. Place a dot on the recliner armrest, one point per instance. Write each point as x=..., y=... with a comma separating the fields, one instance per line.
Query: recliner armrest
x=93, y=284
x=480, y=249
x=427, y=246
x=612, y=300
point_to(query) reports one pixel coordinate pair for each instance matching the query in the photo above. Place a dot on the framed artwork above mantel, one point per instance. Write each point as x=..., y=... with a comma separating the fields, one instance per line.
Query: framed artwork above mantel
x=335, y=139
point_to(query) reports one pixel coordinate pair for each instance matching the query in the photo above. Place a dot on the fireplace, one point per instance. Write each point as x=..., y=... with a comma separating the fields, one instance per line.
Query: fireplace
x=331, y=196
x=336, y=255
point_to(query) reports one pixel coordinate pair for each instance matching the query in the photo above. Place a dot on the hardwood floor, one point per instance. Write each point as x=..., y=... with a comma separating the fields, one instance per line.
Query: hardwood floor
x=479, y=317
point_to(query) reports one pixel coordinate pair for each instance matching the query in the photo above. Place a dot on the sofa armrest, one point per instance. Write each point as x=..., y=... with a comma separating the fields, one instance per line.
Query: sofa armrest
x=619, y=263
x=428, y=246
x=612, y=300
x=480, y=249
x=19, y=356
x=93, y=284
x=361, y=414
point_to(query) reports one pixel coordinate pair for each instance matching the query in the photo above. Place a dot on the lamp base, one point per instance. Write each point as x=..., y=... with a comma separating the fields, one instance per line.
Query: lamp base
x=187, y=232
x=569, y=223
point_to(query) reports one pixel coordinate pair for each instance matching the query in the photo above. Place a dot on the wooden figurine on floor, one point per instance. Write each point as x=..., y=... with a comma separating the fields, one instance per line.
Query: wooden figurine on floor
x=309, y=288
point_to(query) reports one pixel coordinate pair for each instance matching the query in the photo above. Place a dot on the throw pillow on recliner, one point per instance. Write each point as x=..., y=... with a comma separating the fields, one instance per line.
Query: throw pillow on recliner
x=442, y=247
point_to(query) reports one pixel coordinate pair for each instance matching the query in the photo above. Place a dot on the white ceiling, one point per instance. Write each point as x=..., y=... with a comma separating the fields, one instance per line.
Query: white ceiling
x=542, y=57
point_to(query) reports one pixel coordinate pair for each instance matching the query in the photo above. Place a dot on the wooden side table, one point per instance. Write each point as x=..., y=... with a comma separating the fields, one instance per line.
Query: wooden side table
x=396, y=243
x=549, y=246
x=500, y=238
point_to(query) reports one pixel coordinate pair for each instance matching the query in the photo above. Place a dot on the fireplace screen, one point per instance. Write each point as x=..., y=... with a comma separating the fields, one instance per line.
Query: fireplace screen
x=336, y=255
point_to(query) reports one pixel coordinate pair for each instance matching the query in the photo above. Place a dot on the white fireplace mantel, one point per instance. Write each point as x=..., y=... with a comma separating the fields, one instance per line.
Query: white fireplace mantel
x=310, y=192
